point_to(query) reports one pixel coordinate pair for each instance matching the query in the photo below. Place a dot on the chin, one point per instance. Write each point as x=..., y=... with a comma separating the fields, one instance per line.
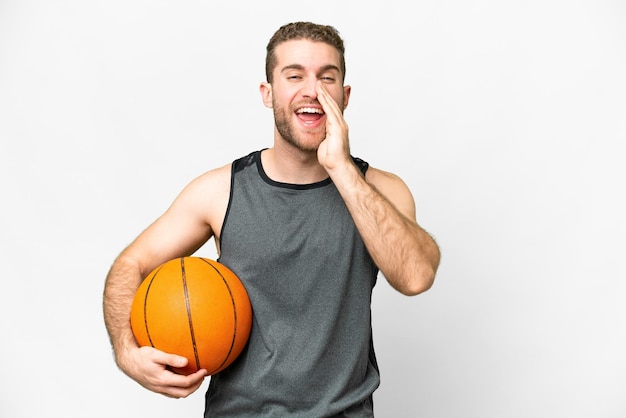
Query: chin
x=312, y=146
x=309, y=143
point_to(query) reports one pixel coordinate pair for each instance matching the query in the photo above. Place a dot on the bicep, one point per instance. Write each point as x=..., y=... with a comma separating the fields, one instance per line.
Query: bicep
x=394, y=189
x=170, y=236
x=184, y=227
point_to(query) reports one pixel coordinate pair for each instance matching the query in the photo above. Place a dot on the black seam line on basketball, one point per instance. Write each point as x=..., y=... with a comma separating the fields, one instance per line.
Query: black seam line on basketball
x=193, y=335
x=232, y=300
x=145, y=306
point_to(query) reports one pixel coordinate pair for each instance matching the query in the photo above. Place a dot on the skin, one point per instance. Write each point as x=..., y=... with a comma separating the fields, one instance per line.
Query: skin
x=304, y=151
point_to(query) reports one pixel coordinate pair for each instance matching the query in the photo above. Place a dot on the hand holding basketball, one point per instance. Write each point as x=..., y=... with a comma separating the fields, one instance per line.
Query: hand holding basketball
x=151, y=369
x=196, y=308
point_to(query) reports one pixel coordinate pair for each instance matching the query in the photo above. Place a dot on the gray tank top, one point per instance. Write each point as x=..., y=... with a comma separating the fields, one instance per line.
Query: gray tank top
x=310, y=280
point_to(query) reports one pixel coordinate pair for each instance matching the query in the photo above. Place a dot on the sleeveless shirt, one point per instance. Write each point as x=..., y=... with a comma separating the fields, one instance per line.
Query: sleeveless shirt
x=310, y=279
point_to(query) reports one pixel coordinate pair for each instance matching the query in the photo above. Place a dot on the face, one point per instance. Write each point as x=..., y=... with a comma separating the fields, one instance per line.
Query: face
x=299, y=117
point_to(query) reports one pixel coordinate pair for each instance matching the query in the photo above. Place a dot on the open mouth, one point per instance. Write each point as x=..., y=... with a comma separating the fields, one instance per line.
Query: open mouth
x=309, y=114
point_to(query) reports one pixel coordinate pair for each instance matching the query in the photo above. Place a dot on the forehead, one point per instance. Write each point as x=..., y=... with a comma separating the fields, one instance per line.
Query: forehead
x=306, y=53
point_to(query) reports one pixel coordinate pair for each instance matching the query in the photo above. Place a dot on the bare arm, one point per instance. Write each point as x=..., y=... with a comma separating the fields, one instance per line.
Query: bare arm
x=383, y=210
x=145, y=365
x=187, y=224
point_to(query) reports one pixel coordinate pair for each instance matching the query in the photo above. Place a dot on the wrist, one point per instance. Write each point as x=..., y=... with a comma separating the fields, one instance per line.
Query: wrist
x=123, y=349
x=345, y=174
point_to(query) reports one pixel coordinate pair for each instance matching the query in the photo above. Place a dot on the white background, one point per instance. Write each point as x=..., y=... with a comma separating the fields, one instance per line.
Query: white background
x=506, y=118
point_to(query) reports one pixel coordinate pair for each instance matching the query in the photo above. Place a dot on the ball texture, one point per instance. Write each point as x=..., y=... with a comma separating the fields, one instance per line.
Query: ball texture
x=194, y=307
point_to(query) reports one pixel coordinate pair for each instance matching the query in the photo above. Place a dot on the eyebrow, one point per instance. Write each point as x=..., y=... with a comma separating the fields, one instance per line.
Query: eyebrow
x=328, y=67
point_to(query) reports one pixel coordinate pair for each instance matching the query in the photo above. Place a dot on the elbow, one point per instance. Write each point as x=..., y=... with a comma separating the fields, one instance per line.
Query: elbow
x=425, y=277
x=417, y=277
x=420, y=284
x=420, y=280
x=413, y=284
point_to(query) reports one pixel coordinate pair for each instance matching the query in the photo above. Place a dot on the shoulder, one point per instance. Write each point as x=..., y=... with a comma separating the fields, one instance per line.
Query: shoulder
x=382, y=179
x=217, y=177
x=200, y=207
x=210, y=183
x=392, y=187
x=211, y=190
x=206, y=196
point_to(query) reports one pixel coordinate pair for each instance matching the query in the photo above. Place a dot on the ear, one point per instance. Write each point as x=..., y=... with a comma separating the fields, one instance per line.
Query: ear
x=346, y=95
x=266, y=94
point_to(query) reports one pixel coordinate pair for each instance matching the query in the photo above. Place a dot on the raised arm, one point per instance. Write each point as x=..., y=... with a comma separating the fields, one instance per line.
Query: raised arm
x=382, y=207
x=186, y=225
x=384, y=212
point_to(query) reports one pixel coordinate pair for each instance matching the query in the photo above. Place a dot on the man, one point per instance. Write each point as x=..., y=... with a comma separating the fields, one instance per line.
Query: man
x=307, y=228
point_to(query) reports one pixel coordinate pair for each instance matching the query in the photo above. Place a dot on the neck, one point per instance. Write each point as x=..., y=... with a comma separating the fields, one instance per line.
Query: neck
x=287, y=164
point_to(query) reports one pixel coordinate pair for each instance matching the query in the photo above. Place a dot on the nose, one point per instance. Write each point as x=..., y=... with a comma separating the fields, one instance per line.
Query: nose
x=309, y=88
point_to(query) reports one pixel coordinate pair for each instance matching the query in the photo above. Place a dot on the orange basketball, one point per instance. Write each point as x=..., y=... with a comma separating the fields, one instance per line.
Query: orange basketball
x=196, y=308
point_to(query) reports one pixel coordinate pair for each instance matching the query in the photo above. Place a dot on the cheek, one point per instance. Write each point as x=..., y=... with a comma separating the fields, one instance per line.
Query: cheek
x=279, y=106
x=281, y=98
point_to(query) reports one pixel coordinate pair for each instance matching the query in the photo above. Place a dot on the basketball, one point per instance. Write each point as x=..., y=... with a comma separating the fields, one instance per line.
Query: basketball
x=193, y=307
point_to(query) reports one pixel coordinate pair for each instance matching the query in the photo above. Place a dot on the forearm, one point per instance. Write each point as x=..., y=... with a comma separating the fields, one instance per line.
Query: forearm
x=405, y=253
x=119, y=291
x=146, y=365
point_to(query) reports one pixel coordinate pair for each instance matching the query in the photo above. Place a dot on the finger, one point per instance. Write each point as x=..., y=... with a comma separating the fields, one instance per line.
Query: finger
x=181, y=386
x=167, y=359
x=187, y=381
x=329, y=105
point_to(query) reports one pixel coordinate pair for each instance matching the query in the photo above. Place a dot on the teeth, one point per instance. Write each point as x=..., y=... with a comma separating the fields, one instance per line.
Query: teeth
x=310, y=110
